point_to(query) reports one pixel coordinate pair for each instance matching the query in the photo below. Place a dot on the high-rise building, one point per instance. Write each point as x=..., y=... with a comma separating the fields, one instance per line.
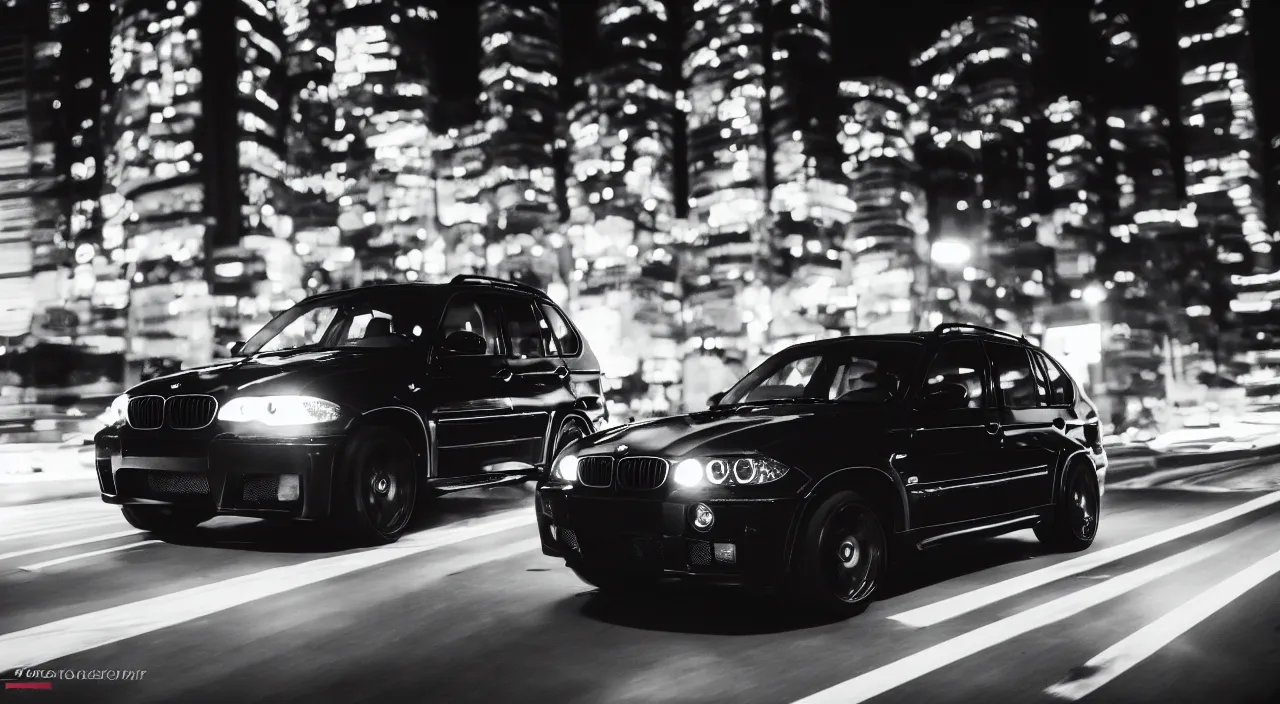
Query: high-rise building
x=194, y=162
x=316, y=171
x=519, y=82
x=24, y=182
x=382, y=89
x=1073, y=163
x=461, y=156
x=621, y=189
x=879, y=124
x=978, y=94
x=1223, y=153
x=1114, y=23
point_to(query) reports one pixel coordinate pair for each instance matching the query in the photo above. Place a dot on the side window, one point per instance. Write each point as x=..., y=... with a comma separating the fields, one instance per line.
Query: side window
x=962, y=362
x=472, y=314
x=1042, y=381
x=523, y=326
x=1060, y=389
x=1012, y=369
x=566, y=340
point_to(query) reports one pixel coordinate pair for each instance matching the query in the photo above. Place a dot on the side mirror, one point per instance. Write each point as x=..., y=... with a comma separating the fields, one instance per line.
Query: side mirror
x=714, y=399
x=464, y=343
x=236, y=348
x=946, y=397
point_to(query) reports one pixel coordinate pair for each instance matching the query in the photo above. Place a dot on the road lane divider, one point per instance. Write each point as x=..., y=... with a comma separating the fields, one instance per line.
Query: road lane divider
x=1124, y=655
x=85, y=555
x=913, y=667
x=69, y=544
x=44, y=643
x=88, y=525
x=962, y=604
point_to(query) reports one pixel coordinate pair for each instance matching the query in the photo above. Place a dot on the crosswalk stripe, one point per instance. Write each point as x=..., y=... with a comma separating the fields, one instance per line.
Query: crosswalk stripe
x=69, y=544
x=912, y=667
x=41, y=644
x=85, y=555
x=961, y=604
x=1123, y=656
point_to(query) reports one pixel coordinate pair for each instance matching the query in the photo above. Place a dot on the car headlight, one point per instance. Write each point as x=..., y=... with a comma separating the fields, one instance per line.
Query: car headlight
x=566, y=468
x=116, y=412
x=732, y=471
x=280, y=410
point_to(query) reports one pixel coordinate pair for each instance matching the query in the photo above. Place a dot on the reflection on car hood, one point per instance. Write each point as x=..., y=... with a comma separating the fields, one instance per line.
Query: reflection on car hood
x=274, y=373
x=735, y=429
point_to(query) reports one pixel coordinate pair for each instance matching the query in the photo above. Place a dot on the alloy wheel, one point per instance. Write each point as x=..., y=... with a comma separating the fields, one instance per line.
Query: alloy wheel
x=853, y=553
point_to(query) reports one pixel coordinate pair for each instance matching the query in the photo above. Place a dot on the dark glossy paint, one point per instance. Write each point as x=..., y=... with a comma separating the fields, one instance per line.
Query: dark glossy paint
x=937, y=474
x=472, y=420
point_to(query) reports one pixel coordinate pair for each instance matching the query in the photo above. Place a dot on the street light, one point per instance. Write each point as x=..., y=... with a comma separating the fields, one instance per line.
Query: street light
x=1094, y=295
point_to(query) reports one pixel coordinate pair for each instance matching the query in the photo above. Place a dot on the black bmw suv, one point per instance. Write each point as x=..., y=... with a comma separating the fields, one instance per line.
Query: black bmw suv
x=352, y=404
x=830, y=458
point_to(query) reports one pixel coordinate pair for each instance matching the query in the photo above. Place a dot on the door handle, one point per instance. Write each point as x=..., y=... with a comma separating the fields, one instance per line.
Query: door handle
x=562, y=372
x=504, y=375
x=992, y=428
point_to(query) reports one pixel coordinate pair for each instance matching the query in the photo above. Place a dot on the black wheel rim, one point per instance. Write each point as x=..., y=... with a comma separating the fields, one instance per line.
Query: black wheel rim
x=852, y=551
x=387, y=490
x=1083, y=507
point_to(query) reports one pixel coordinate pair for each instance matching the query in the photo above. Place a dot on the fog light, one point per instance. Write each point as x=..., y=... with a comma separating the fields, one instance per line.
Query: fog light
x=726, y=552
x=703, y=517
x=289, y=489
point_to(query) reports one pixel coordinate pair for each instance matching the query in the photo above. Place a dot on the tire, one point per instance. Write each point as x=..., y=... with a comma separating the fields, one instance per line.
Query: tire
x=1074, y=522
x=841, y=557
x=613, y=581
x=378, y=488
x=165, y=520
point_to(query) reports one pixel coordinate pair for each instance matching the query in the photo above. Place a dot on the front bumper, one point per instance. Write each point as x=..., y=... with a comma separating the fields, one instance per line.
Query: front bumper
x=655, y=536
x=228, y=474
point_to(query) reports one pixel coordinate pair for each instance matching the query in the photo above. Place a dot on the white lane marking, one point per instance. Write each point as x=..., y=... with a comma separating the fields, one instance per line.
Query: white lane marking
x=41, y=644
x=69, y=544
x=1121, y=657
x=62, y=529
x=72, y=558
x=912, y=667
x=961, y=604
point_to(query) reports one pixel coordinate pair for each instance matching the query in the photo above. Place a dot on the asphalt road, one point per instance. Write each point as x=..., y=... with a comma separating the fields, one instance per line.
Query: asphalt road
x=467, y=609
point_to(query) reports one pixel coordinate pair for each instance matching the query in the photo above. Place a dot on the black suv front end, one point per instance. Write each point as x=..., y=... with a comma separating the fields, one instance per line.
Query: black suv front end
x=629, y=515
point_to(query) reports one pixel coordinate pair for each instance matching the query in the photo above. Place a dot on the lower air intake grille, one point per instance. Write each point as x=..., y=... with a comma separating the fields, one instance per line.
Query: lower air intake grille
x=646, y=551
x=570, y=540
x=595, y=472
x=260, y=489
x=150, y=484
x=700, y=553
x=642, y=473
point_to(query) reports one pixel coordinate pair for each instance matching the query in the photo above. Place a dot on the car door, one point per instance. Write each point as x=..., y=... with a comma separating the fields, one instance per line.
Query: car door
x=465, y=397
x=585, y=378
x=1030, y=451
x=951, y=453
x=537, y=379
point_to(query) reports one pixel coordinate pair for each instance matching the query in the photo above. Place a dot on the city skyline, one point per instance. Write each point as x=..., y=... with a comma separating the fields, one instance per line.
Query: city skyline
x=787, y=179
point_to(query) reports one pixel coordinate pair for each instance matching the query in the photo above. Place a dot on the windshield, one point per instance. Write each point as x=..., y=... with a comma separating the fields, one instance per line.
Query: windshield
x=376, y=322
x=857, y=371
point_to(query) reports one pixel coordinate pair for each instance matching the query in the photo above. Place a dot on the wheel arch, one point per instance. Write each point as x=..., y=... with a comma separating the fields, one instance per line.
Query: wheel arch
x=409, y=423
x=878, y=484
x=572, y=415
x=1077, y=458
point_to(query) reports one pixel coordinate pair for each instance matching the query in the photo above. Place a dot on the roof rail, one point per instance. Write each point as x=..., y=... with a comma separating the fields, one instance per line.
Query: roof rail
x=498, y=283
x=990, y=331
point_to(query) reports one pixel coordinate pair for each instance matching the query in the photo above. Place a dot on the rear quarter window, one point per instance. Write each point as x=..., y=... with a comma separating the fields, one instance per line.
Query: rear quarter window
x=566, y=339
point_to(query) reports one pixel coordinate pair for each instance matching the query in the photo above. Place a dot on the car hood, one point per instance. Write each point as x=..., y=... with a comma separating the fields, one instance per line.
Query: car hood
x=259, y=375
x=735, y=429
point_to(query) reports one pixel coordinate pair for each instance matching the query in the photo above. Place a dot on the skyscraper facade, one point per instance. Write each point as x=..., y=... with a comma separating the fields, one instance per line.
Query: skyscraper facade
x=1223, y=153
x=879, y=124
x=1075, y=224
x=194, y=161
x=519, y=82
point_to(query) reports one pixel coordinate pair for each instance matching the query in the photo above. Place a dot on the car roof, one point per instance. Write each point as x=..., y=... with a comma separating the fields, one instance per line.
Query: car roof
x=458, y=283
x=946, y=331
